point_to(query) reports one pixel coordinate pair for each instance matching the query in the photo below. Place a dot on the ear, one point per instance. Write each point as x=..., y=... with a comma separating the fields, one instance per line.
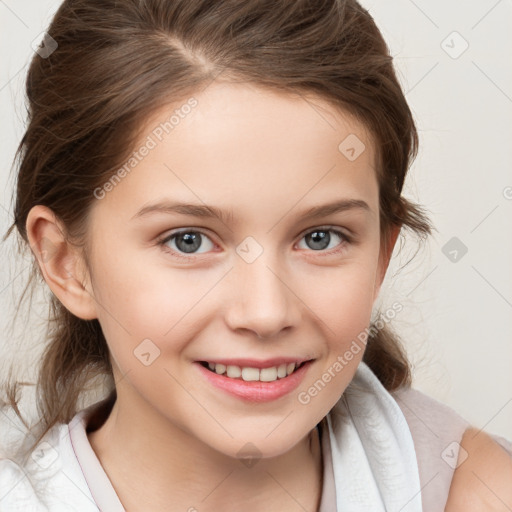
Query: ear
x=60, y=262
x=384, y=257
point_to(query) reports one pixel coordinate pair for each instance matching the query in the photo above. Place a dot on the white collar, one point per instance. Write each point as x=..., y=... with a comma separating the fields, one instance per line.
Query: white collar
x=368, y=451
x=374, y=460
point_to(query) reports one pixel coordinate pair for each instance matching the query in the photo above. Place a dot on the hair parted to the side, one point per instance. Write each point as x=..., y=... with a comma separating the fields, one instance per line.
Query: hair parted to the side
x=118, y=61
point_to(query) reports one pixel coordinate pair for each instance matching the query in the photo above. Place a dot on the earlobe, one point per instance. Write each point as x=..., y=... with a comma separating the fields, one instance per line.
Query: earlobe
x=60, y=262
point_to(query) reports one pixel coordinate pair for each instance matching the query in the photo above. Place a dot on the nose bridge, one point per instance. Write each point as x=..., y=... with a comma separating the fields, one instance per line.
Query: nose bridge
x=262, y=301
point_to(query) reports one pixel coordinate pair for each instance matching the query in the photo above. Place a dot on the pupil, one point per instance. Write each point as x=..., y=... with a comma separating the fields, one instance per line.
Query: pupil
x=320, y=237
x=192, y=242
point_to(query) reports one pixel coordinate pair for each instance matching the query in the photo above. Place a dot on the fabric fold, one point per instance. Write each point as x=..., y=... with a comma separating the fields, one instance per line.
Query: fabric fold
x=374, y=460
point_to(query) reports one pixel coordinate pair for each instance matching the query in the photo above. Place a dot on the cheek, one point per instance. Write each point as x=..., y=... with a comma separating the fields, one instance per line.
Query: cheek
x=343, y=307
x=343, y=297
x=138, y=301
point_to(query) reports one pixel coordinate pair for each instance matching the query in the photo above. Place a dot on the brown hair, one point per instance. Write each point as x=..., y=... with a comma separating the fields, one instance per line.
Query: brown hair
x=118, y=61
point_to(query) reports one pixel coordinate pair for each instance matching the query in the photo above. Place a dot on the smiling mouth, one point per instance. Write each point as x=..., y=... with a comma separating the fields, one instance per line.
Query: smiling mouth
x=250, y=374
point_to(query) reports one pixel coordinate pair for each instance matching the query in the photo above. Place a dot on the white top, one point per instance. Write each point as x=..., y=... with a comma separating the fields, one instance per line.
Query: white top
x=380, y=451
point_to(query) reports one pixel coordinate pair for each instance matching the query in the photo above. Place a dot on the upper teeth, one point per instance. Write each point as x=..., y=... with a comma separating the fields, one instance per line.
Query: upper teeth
x=251, y=374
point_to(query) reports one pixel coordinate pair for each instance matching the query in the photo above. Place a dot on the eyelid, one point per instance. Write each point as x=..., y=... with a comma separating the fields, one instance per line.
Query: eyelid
x=162, y=240
x=168, y=236
x=337, y=229
x=161, y=243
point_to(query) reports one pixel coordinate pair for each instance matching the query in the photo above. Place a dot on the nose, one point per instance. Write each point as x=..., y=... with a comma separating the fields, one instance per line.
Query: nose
x=262, y=299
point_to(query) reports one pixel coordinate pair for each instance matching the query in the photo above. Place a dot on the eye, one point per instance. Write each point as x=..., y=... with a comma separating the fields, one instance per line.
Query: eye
x=187, y=242
x=320, y=239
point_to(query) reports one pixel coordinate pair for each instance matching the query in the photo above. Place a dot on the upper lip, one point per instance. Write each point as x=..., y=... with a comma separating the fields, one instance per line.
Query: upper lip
x=255, y=363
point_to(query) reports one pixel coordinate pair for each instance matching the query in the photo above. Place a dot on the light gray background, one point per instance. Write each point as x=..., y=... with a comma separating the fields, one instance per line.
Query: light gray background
x=457, y=321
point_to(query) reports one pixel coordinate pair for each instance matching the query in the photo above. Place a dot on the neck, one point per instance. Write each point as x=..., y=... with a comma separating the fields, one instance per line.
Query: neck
x=172, y=470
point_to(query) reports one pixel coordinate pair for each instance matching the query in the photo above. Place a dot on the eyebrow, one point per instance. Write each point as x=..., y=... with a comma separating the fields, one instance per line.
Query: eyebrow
x=226, y=217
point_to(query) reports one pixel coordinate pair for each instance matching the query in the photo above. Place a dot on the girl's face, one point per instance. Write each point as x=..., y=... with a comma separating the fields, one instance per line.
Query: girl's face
x=176, y=286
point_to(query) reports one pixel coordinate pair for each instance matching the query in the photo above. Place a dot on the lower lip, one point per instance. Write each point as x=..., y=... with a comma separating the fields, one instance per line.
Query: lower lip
x=256, y=391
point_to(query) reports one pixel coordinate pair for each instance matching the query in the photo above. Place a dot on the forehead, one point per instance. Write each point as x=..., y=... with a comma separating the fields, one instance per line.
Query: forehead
x=259, y=117
x=242, y=146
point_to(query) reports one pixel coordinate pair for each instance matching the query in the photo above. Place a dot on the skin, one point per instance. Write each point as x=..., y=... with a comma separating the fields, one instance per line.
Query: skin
x=266, y=157
x=481, y=483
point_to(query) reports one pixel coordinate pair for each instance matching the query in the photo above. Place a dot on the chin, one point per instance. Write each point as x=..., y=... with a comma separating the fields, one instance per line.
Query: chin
x=249, y=448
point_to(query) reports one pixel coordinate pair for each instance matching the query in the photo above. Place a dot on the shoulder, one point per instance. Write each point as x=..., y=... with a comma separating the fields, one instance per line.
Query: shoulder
x=442, y=440
x=16, y=491
x=427, y=409
x=22, y=472
x=483, y=478
x=46, y=477
x=436, y=430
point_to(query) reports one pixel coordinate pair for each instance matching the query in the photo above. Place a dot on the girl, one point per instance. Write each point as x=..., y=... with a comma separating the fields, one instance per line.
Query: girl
x=212, y=193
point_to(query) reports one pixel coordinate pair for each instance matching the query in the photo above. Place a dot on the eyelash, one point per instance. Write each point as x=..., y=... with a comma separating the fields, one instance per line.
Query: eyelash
x=345, y=239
